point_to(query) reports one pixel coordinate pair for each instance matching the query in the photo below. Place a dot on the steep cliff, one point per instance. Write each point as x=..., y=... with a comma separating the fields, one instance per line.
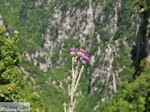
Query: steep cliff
x=107, y=29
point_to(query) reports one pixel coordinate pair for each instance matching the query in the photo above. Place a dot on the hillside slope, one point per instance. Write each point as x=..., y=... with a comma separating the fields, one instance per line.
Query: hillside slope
x=110, y=31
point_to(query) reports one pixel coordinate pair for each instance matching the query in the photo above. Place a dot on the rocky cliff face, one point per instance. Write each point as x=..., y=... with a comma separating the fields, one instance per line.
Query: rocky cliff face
x=2, y=26
x=142, y=40
x=105, y=28
x=93, y=25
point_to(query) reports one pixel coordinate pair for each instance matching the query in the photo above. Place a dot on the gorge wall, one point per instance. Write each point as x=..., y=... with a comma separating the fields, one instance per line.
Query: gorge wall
x=105, y=28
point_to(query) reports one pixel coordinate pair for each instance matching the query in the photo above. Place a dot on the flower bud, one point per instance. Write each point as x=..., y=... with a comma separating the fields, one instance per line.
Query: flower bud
x=72, y=51
x=85, y=59
x=81, y=52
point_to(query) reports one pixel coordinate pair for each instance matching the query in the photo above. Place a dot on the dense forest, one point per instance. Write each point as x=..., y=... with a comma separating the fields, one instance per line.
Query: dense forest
x=76, y=55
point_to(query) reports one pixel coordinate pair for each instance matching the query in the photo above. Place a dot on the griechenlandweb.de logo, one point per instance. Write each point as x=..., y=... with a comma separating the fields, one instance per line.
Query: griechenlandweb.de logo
x=15, y=106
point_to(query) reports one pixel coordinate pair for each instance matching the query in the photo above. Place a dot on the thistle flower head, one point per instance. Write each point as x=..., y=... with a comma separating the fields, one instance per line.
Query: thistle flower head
x=81, y=52
x=72, y=51
x=85, y=59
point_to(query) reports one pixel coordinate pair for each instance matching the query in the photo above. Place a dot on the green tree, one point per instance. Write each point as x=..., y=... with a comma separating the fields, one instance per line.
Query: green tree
x=12, y=86
x=142, y=4
x=132, y=97
x=9, y=68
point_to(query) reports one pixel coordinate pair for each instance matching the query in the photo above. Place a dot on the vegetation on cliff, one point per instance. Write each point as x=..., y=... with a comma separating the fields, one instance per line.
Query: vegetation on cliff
x=35, y=64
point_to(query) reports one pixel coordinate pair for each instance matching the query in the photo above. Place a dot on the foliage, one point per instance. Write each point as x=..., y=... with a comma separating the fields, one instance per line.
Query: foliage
x=35, y=24
x=51, y=97
x=12, y=86
x=142, y=4
x=9, y=70
x=132, y=96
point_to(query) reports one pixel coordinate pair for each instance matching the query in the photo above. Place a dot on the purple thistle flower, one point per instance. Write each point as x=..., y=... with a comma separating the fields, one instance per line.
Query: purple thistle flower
x=85, y=59
x=81, y=52
x=72, y=51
